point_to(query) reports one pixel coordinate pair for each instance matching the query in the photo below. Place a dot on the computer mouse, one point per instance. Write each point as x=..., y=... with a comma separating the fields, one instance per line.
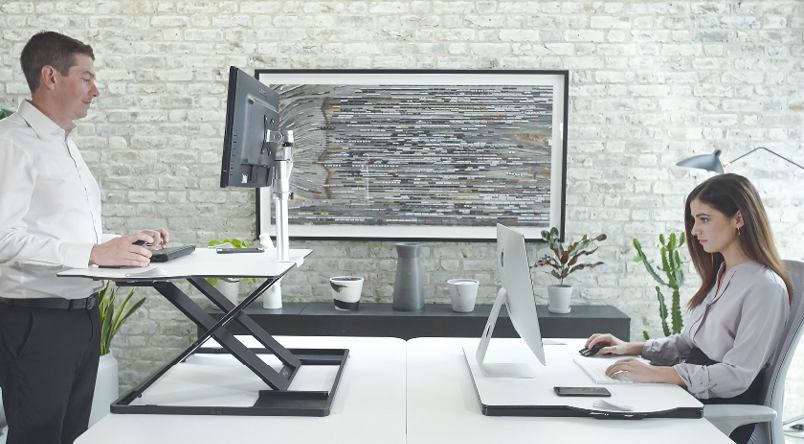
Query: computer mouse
x=152, y=273
x=593, y=351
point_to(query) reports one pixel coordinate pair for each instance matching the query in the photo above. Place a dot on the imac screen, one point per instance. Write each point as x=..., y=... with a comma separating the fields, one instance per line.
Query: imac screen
x=250, y=140
x=515, y=276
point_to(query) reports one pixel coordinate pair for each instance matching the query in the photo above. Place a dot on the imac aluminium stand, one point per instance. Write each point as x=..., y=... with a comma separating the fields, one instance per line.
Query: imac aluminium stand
x=499, y=370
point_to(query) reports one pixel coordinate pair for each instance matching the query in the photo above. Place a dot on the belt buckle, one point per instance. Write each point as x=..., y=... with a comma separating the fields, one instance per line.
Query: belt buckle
x=92, y=302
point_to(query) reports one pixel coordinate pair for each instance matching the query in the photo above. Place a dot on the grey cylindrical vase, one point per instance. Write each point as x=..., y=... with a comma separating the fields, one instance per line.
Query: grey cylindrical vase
x=409, y=283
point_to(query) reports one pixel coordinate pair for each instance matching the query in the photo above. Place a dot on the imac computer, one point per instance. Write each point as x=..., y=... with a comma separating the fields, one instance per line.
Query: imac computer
x=252, y=133
x=517, y=294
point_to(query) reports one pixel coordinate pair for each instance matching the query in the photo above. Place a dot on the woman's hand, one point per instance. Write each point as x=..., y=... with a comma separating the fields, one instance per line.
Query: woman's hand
x=638, y=371
x=614, y=345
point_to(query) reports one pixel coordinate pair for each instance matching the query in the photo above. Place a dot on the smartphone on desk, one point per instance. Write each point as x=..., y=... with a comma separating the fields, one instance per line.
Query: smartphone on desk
x=238, y=250
x=582, y=391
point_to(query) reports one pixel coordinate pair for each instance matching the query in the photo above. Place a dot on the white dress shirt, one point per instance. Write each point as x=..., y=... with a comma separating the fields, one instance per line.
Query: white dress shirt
x=50, y=209
x=738, y=325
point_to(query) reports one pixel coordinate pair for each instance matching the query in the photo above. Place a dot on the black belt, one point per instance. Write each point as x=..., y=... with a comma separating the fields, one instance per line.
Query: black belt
x=55, y=303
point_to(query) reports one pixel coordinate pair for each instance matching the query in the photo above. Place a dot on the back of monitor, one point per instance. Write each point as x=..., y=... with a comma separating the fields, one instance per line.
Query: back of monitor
x=517, y=294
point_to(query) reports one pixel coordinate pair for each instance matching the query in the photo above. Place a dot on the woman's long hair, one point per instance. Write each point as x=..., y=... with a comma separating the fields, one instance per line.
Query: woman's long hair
x=730, y=193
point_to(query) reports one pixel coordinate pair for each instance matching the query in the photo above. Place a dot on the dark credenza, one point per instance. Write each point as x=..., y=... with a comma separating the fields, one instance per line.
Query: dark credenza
x=436, y=320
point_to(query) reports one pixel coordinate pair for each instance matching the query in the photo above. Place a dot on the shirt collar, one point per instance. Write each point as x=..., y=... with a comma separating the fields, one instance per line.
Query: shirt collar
x=724, y=281
x=41, y=124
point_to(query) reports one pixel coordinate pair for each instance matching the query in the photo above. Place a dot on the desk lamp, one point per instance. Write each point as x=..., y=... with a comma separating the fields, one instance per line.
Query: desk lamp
x=711, y=162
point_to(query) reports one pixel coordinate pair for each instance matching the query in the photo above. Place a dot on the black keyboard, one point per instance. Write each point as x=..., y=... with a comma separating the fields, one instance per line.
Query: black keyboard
x=170, y=253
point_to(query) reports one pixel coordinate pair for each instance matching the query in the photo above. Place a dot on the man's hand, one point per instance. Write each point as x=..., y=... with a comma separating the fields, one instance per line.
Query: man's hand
x=160, y=238
x=121, y=252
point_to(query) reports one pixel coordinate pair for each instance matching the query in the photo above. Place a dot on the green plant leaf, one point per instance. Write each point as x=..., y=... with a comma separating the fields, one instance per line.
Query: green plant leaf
x=112, y=318
x=645, y=335
x=5, y=113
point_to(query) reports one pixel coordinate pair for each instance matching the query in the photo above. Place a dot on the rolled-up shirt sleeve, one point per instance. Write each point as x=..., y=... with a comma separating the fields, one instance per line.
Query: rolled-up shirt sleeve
x=760, y=326
x=17, y=244
x=667, y=351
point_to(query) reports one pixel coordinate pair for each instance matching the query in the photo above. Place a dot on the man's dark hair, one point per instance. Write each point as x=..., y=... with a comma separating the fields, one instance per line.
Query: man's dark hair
x=50, y=48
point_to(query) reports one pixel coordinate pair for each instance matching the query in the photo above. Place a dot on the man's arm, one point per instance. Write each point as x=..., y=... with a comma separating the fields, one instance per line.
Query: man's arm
x=17, y=245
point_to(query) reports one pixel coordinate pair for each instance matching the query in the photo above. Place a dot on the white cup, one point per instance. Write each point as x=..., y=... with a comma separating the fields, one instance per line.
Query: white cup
x=463, y=294
x=346, y=291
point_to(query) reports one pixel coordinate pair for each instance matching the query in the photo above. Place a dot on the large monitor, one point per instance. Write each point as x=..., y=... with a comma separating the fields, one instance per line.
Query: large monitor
x=517, y=294
x=252, y=133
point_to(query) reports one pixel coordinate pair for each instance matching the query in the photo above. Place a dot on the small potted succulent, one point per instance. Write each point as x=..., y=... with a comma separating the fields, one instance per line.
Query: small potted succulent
x=564, y=261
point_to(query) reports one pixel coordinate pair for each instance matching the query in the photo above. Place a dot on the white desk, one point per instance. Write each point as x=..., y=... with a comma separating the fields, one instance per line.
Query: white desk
x=369, y=408
x=442, y=406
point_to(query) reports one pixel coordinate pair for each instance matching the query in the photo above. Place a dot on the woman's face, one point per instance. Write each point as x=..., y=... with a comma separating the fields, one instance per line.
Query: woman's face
x=715, y=232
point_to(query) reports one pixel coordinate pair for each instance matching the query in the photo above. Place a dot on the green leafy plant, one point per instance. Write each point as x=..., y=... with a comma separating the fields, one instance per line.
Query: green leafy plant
x=673, y=268
x=5, y=113
x=565, y=260
x=111, y=318
x=236, y=243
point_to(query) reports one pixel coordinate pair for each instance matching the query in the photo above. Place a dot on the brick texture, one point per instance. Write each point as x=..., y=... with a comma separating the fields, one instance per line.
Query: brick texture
x=651, y=83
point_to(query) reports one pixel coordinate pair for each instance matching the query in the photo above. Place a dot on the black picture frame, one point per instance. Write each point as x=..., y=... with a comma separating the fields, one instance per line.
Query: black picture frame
x=331, y=110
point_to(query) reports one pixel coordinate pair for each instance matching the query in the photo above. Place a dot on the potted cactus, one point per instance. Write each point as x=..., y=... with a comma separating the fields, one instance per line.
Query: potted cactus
x=564, y=261
x=673, y=268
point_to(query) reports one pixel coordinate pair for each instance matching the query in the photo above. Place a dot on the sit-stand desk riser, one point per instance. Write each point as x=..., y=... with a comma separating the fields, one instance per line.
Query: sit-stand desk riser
x=369, y=407
x=442, y=404
x=195, y=268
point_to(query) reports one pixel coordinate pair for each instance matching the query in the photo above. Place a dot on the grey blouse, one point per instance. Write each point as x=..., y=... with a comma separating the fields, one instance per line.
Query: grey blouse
x=738, y=325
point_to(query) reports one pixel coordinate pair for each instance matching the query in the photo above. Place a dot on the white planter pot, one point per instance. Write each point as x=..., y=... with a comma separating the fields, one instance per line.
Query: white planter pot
x=107, y=388
x=559, y=297
x=272, y=298
x=230, y=288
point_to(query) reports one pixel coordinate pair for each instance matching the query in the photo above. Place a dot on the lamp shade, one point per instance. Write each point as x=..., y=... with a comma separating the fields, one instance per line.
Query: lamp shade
x=708, y=162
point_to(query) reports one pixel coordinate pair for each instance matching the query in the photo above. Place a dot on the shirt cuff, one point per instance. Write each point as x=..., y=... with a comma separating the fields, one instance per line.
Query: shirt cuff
x=696, y=379
x=76, y=254
x=106, y=237
x=646, y=349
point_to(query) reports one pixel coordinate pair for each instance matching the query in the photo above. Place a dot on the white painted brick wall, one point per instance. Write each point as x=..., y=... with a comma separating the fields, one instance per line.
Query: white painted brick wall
x=651, y=83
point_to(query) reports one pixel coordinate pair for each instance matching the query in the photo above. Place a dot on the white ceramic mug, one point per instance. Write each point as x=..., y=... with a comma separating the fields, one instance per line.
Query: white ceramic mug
x=346, y=291
x=463, y=294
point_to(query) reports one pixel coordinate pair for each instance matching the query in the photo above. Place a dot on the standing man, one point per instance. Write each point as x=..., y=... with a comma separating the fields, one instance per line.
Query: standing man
x=50, y=220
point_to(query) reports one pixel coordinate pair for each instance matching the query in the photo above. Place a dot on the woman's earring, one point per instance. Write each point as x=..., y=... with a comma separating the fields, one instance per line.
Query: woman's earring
x=738, y=231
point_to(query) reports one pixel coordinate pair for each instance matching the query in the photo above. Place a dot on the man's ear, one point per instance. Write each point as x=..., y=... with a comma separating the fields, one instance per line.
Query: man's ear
x=48, y=77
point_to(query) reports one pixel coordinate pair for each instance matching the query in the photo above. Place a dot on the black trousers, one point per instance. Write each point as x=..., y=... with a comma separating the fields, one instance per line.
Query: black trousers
x=48, y=366
x=741, y=434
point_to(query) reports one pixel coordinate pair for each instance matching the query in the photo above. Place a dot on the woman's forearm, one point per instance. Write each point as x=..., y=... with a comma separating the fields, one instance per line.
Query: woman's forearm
x=634, y=348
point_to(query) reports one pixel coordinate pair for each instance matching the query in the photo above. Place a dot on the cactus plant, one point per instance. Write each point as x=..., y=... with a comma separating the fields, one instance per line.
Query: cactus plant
x=673, y=268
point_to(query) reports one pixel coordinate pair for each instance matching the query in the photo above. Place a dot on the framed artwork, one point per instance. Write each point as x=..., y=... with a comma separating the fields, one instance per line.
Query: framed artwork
x=422, y=155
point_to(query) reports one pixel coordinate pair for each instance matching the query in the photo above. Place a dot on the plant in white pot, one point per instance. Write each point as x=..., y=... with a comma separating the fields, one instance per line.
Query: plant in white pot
x=564, y=262
x=229, y=287
x=107, y=388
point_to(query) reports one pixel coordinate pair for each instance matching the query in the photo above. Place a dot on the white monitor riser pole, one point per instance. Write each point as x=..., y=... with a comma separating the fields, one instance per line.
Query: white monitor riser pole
x=281, y=187
x=499, y=370
x=283, y=168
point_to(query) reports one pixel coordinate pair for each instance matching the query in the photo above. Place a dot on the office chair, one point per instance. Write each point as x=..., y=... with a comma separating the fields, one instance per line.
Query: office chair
x=768, y=417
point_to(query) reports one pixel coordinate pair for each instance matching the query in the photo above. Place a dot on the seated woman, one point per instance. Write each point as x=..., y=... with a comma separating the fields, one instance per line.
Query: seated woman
x=738, y=314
